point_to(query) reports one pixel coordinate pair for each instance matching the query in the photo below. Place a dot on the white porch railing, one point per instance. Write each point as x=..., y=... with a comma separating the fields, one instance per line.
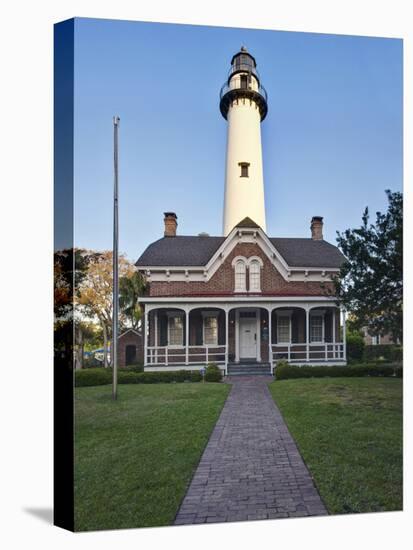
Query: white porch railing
x=170, y=355
x=300, y=353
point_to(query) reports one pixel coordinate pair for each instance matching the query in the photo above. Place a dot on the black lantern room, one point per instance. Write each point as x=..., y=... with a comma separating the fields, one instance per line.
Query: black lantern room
x=243, y=83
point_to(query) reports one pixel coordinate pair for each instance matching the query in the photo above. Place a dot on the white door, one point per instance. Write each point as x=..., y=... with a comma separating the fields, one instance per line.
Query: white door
x=248, y=338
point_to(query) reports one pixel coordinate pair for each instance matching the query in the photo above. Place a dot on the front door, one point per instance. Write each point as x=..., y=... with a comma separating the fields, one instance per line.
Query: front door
x=248, y=338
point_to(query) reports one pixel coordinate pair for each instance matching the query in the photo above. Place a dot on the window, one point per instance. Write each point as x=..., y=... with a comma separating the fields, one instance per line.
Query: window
x=283, y=329
x=240, y=273
x=211, y=330
x=255, y=276
x=244, y=82
x=175, y=330
x=317, y=328
x=244, y=169
x=375, y=340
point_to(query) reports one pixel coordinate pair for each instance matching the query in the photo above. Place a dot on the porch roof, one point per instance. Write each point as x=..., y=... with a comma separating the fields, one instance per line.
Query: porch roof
x=237, y=301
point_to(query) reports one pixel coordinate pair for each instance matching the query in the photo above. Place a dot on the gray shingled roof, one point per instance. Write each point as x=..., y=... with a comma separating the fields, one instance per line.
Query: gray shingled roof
x=180, y=250
x=197, y=251
x=298, y=252
x=247, y=222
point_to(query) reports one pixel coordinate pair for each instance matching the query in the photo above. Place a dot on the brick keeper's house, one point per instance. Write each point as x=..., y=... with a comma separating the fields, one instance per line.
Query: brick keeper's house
x=243, y=300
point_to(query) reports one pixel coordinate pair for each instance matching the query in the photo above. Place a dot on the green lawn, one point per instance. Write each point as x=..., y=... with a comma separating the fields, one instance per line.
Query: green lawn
x=135, y=457
x=349, y=432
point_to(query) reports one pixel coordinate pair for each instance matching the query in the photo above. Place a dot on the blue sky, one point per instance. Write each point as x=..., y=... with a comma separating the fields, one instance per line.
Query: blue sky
x=332, y=140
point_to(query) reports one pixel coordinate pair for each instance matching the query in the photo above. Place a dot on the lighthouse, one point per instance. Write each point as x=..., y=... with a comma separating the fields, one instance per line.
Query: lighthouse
x=243, y=103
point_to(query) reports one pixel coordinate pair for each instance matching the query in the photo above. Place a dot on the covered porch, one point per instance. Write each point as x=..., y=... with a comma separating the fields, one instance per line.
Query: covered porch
x=191, y=334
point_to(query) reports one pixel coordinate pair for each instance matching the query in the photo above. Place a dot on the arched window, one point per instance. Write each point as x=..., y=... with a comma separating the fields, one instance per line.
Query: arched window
x=255, y=276
x=240, y=276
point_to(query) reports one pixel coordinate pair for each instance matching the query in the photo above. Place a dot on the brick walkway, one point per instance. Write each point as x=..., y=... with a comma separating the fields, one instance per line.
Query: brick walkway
x=251, y=468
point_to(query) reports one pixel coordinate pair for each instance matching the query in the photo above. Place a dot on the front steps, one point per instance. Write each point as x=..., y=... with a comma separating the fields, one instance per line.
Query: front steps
x=249, y=369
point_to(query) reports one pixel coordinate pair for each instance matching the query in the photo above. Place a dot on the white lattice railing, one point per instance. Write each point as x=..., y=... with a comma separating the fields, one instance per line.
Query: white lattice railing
x=298, y=353
x=191, y=355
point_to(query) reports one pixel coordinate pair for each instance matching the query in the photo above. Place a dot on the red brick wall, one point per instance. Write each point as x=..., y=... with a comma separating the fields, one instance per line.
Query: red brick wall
x=386, y=339
x=223, y=280
x=130, y=338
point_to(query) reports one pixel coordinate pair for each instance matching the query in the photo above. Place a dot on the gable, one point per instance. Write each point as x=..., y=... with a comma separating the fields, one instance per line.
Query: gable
x=222, y=281
x=186, y=258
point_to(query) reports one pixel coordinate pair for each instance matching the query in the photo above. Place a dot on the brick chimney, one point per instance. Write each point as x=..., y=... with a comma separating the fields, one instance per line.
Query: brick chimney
x=171, y=223
x=317, y=228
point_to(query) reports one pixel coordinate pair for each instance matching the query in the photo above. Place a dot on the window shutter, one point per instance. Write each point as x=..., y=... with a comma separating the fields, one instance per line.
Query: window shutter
x=198, y=331
x=184, y=334
x=163, y=330
x=221, y=328
x=328, y=319
x=294, y=327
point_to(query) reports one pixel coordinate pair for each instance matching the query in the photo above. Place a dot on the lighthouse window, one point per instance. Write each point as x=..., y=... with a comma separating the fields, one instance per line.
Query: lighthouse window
x=244, y=169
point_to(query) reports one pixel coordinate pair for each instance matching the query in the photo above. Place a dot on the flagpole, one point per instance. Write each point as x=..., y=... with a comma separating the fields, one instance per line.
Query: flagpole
x=114, y=350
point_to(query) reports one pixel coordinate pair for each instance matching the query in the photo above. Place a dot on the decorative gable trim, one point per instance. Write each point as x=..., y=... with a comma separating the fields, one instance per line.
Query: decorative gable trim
x=130, y=330
x=239, y=235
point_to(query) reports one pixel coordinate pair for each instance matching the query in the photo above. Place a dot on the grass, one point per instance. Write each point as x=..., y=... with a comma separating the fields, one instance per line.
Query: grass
x=135, y=457
x=349, y=432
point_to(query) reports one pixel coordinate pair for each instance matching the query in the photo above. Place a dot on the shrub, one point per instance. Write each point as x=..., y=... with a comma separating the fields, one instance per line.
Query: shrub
x=93, y=377
x=355, y=346
x=132, y=368
x=285, y=372
x=195, y=376
x=158, y=377
x=97, y=377
x=390, y=352
x=280, y=363
x=91, y=362
x=213, y=373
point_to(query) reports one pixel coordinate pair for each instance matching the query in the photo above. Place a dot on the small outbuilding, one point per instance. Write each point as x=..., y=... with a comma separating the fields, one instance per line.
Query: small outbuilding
x=130, y=348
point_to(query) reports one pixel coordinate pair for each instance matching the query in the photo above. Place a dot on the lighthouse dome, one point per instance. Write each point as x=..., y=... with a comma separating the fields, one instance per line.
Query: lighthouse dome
x=243, y=82
x=243, y=61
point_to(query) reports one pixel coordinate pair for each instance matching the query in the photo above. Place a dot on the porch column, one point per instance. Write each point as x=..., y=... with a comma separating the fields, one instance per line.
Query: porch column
x=145, y=341
x=258, y=337
x=344, y=335
x=270, y=337
x=156, y=335
x=307, y=333
x=186, y=336
x=236, y=328
x=334, y=333
x=226, y=340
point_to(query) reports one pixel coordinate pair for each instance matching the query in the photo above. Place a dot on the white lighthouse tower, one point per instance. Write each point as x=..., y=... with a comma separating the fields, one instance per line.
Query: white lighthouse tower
x=243, y=103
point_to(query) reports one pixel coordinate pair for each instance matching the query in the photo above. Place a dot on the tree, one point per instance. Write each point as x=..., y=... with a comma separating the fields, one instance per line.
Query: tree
x=70, y=266
x=130, y=288
x=95, y=290
x=370, y=283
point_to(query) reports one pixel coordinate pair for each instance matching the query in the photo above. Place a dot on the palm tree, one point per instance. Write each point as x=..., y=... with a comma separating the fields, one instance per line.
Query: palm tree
x=130, y=288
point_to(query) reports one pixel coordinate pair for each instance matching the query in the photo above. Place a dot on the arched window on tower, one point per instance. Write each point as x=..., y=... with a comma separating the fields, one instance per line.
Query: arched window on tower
x=240, y=276
x=255, y=276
